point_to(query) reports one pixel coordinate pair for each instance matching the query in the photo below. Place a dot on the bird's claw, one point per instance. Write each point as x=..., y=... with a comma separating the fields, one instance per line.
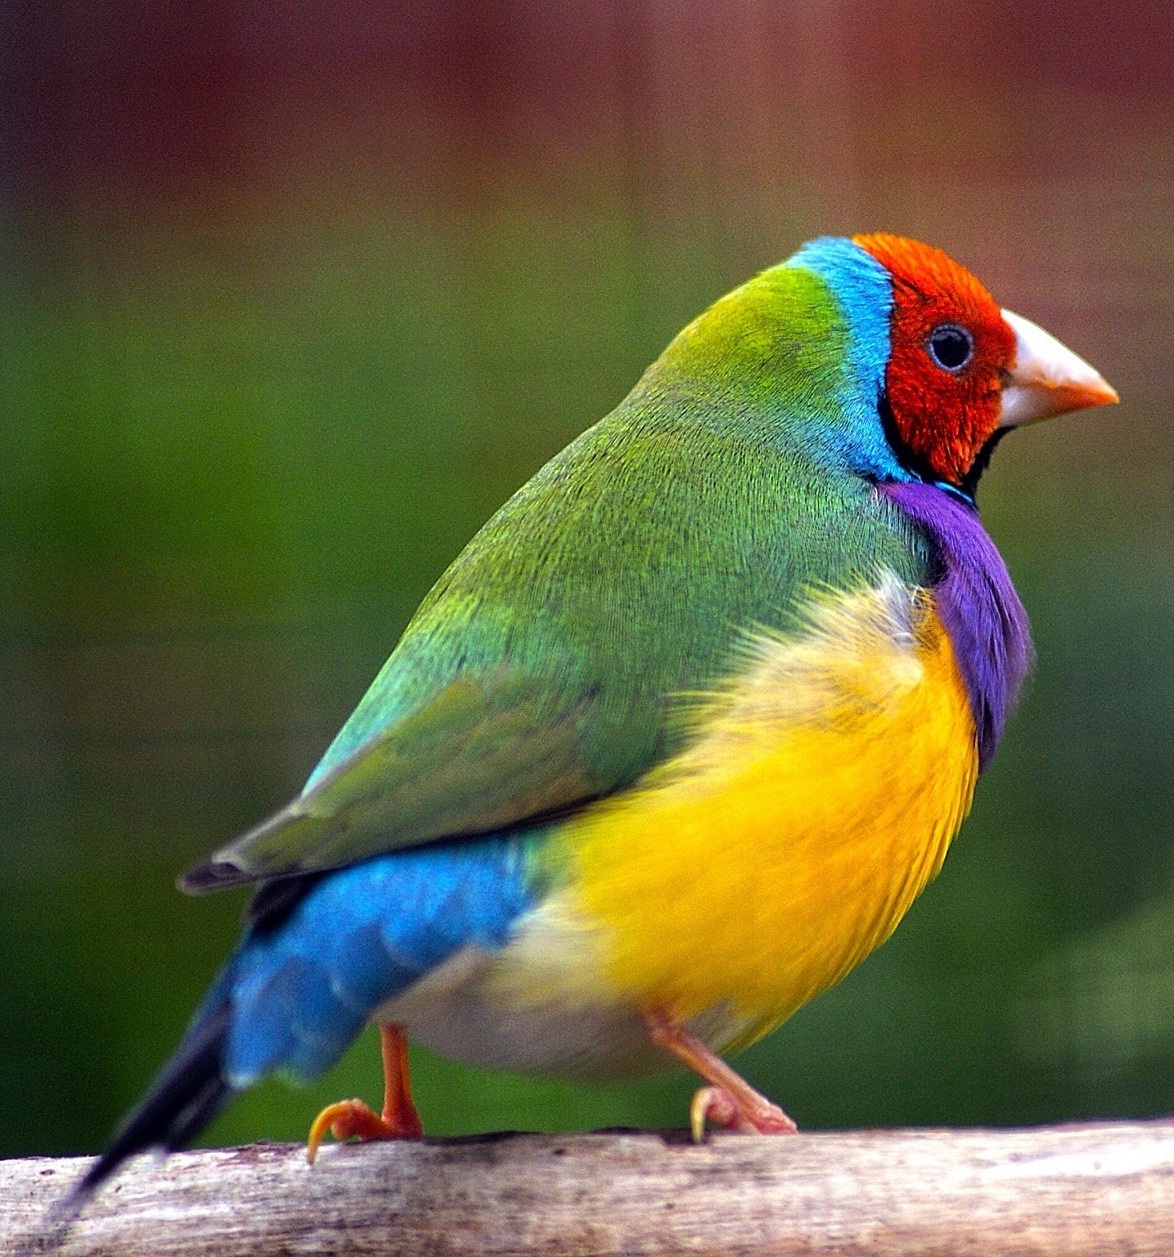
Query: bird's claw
x=729, y=1100
x=352, y=1119
x=717, y=1106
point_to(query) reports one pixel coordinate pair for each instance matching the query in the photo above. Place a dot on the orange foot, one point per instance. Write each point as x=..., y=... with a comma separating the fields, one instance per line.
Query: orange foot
x=729, y=1100
x=349, y=1119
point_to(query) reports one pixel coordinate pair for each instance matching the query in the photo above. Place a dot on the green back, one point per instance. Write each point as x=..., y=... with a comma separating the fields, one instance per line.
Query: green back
x=548, y=664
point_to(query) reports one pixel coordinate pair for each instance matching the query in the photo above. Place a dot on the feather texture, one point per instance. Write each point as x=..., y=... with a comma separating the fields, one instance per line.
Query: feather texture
x=687, y=726
x=979, y=607
x=824, y=783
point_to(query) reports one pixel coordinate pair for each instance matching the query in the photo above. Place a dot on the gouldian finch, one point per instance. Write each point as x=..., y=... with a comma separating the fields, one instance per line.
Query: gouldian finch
x=681, y=734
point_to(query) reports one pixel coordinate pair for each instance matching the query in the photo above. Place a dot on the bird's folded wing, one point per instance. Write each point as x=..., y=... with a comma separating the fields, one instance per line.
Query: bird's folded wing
x=483, y=753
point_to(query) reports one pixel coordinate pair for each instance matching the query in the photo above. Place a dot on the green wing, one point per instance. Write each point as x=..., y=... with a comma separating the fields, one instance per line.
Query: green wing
x=483, y=754
x=545, y=667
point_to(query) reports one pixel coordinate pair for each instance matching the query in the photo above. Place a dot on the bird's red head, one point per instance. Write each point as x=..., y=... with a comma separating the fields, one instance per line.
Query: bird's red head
x=951, y=355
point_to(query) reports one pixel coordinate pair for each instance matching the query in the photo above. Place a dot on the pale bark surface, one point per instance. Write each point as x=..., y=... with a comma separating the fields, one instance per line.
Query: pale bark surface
x=1094, y=1189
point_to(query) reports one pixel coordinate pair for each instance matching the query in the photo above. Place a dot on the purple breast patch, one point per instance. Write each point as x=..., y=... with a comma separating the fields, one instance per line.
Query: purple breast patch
x=977, y=604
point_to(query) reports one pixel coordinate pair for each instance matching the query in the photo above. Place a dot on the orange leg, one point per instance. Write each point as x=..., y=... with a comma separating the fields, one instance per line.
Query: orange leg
x=353, y=1119
x=729, y=1100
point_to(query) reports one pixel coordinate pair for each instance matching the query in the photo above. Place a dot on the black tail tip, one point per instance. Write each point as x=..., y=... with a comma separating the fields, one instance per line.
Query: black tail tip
x=51, y=1233
x=188, y=1093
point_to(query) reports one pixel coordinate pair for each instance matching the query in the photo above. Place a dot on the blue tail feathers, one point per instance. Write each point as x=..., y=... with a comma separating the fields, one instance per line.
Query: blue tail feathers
x=317, y=961
x=302, y=991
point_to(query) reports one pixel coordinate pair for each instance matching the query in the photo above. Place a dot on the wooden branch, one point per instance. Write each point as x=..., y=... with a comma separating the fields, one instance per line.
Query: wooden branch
x=1094, y=1189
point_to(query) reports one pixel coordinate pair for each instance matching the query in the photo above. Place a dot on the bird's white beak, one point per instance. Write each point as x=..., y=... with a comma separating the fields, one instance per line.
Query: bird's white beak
x=1048, y=378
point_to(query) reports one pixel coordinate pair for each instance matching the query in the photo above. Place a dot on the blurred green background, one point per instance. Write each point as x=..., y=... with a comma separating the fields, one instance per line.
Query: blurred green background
x=294, y=296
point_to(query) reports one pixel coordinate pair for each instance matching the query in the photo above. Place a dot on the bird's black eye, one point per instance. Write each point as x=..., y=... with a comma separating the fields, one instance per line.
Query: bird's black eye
x=950, y=346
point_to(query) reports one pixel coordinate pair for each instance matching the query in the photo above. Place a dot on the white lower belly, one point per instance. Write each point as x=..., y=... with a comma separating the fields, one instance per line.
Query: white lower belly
x=539, y=1006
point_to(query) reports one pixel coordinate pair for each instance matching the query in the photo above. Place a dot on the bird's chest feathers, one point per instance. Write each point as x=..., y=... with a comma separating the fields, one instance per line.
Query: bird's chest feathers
x=817, y=799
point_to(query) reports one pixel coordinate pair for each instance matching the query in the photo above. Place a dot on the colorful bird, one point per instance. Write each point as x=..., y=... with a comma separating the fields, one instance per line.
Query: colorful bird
x=679, y=737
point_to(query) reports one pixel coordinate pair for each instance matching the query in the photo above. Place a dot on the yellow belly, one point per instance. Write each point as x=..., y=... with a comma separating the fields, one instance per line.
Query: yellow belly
x=816, y=801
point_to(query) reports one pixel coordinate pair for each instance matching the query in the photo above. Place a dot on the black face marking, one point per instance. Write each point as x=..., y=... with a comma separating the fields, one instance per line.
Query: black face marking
x=982, y=461
x=950, y=346
x=908, y=457
x=920, y=467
